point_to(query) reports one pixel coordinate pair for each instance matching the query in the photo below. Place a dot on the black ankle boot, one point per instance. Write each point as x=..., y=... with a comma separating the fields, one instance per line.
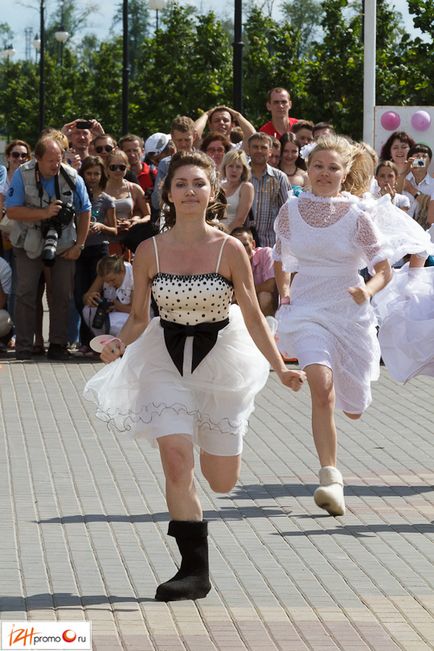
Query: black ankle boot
x=192, y=579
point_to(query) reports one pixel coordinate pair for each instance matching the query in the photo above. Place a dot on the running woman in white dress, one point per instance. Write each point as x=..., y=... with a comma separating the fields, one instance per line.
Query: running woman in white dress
x=190, y=376
x=328, y=323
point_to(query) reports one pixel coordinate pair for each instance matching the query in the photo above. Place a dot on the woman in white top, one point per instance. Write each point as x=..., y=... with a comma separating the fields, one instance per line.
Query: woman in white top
x=238, y=190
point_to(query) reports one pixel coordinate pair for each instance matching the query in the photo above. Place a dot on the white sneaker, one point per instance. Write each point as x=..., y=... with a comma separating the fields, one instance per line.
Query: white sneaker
x=330, y=493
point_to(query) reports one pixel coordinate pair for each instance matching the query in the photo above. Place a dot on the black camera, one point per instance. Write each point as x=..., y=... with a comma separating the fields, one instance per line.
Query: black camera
x=101, y=314
x=52, y=230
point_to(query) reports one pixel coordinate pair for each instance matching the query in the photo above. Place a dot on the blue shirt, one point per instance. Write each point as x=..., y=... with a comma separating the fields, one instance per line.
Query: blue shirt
x=16, y=193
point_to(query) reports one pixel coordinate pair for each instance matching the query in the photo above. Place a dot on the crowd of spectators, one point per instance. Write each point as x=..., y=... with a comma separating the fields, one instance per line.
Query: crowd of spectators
x=76, y=206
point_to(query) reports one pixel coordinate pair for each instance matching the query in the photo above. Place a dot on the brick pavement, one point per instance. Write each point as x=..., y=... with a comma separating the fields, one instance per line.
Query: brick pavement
x=84, y=526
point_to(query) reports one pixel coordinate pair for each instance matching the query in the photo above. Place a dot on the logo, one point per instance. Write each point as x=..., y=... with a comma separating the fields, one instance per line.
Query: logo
x=49, y=636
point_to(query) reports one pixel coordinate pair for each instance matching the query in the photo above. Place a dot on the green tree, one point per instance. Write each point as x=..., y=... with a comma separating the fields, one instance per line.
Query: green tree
x=304, y=16
x=270, y=60
x=184, y=69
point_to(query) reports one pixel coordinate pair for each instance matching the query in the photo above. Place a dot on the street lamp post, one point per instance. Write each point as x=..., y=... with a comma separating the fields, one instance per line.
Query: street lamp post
x=61, y=35
x=125, y=67
x=7, y=53
x=237, y=65
x=157, y=5
x=42, y=67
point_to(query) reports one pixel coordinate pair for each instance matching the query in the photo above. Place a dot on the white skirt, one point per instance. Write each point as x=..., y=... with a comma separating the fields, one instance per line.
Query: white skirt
x=405, y=310
x=323, y=325
x=143, y=393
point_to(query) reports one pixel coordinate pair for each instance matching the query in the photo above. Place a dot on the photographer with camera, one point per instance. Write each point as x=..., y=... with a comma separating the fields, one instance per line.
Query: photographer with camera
x=107, y=303
x=417, y=184
x=51, y=208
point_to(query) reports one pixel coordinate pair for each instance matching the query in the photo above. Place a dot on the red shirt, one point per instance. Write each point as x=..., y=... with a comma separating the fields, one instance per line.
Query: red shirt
x=270, y=129
x=146, y=177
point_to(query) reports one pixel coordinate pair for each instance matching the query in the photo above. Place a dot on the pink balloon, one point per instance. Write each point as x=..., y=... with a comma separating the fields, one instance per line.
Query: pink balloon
x=390, y=120
x=421, y=120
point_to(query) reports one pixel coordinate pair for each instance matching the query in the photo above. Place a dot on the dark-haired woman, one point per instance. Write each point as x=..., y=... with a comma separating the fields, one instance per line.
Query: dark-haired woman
x=396, y=149
x=102, y=225
x=190, y=376
x=291, y=162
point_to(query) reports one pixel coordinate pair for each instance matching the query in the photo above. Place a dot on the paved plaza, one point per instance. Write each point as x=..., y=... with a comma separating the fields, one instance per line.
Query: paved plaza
x=84, y=521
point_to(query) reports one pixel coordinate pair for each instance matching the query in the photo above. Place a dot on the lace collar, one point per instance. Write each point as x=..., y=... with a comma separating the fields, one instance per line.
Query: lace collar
x=342, y=198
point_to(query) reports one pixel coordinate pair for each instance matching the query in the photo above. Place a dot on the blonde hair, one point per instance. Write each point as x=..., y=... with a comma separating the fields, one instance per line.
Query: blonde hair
x=342, y=146
x=356, y=158
x=110, y=264
x=360, y=175
x=233, y=156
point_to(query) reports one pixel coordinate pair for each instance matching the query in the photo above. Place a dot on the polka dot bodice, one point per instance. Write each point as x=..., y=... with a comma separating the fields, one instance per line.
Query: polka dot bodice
x=192, y=299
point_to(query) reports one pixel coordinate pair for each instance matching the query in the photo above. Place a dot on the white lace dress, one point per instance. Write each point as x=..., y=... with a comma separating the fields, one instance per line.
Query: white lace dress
x=326, y=241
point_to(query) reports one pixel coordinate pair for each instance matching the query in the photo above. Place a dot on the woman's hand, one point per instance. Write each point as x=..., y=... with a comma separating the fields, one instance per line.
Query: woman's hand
x=388, y=189
x=292, y=379
x=360, y=294
x=92, y=299
x=111, y=351
x=123, y=224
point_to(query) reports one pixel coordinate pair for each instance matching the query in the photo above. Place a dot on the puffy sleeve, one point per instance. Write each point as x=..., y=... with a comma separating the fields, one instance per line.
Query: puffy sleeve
x=399, y=233
x=282, y=249
x=368, y=239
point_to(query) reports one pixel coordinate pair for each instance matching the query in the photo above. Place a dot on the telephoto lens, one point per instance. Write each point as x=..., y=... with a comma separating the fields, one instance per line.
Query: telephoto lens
x=50, y=247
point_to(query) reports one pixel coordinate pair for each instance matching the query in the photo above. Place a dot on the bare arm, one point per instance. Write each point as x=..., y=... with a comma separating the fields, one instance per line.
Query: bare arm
x=255, y=321
x=430, y=218
x=199, y=126
x=383, y=275
x=283, y=282
x=267, y=286
x=141, y=212
x=93, y=294
x=109, y=226
x=26, y=214
x=245, y=203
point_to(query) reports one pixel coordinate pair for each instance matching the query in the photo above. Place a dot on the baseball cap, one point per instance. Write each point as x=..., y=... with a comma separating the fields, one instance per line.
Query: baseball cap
x=156, y=143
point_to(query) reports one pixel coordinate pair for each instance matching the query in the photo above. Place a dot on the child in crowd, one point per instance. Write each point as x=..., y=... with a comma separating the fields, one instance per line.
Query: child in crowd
x=386, y=175
x=102, y=225
x=107, y=303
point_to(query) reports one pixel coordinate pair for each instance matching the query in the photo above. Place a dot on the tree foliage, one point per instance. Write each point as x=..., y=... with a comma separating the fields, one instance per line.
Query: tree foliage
x=185, y=67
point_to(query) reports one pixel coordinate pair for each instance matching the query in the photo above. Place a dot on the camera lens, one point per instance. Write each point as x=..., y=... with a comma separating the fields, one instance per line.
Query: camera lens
x=50, y=247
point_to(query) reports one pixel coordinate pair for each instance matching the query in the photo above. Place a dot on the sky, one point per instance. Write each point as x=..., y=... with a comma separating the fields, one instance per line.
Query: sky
x=21, y=14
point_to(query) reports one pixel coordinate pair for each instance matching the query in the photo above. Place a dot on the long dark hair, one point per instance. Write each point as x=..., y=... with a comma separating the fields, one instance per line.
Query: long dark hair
x=94, y=161
x=290, y=137
x=199, y=159
x=385, y=153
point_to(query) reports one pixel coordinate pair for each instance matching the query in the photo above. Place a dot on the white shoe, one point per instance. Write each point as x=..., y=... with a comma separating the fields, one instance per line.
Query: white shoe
x=330, y=493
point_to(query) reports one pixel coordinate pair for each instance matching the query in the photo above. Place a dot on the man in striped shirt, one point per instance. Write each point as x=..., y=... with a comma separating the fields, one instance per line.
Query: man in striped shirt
x=271, y=189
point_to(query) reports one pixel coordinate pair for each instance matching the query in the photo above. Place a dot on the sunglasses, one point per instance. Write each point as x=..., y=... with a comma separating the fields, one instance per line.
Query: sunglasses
x=101, y=148
x=18, y=154
x=115, y=168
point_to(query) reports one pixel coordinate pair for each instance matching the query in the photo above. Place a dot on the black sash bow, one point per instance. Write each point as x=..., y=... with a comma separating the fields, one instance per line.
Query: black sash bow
x=204, y=339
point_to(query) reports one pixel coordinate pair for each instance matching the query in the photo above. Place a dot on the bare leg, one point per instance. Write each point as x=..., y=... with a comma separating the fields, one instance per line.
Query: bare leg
x=268, y=303
x=176, y=451
x=329, y=495
x=222, y=473
x=320, y=380
x=187, y=527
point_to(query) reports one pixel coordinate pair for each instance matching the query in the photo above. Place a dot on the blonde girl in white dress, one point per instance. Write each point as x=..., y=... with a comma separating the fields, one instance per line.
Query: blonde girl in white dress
x=325, y=319
x=190, y=375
